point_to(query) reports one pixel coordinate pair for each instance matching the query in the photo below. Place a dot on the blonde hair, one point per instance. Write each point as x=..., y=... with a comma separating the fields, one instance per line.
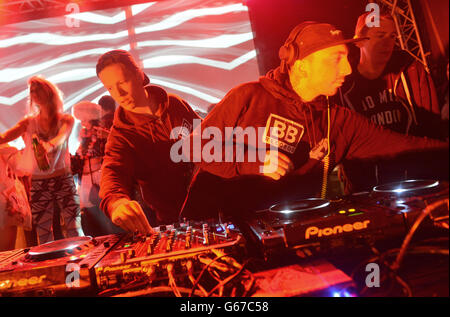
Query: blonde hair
x=54, y=95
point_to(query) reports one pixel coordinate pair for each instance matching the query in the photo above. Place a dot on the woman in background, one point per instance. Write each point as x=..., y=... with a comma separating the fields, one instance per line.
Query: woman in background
x=54, y=202
x=14, y=203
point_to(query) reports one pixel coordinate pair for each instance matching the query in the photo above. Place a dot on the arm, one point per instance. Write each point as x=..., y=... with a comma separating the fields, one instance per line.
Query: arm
x=117, y=183
x=225, y=114
x=117, y=171
x=366, y=140
x=63, y=133
x=422, y=93
x=15, y=132
x=425, y=96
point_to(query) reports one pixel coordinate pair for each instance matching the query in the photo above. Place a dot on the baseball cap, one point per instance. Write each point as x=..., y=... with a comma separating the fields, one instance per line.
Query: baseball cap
x=311, y=37
x=361, y=23
x=123, y=57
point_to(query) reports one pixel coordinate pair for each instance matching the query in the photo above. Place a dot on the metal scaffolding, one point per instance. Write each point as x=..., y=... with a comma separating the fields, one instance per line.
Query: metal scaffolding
x=14, y=11
x=405, y=22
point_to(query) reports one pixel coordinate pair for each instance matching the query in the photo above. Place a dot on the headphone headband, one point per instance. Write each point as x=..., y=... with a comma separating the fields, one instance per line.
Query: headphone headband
x=289, y=52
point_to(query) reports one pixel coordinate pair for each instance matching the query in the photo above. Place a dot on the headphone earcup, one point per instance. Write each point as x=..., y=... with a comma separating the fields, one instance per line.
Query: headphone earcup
x=284, y=52
x=288, y=53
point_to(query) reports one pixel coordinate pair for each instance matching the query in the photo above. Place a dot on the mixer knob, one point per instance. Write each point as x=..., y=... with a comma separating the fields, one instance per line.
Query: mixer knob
x=149, y=249
x=162, y=228
x=169, y=246
x=131, y=253
x=123, y=257
x=106, y=244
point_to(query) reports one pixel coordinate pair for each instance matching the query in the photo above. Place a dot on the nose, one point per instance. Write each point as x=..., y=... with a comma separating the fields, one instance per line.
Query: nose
x=345, y=68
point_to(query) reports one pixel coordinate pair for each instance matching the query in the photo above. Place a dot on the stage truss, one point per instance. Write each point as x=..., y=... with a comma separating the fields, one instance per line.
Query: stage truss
x=407, y=28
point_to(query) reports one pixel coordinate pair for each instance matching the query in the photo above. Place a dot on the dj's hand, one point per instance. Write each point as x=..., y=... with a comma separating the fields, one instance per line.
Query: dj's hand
x=129, y=215
x=276, y=164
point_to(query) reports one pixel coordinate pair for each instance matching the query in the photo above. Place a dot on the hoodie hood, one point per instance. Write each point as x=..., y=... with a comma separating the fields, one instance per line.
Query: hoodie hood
x=278, y=84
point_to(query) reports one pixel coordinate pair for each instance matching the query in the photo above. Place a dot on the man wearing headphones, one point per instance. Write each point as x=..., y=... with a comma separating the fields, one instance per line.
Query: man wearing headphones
x=304, y=138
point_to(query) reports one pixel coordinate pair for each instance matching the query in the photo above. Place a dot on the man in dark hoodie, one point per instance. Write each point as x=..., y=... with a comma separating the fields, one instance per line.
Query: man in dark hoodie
x=146, y=124
x=290, y=104
x=393, y=90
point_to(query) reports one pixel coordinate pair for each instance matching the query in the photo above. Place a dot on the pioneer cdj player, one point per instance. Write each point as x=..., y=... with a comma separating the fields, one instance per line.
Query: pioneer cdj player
x=323, y=225
x=57, y=268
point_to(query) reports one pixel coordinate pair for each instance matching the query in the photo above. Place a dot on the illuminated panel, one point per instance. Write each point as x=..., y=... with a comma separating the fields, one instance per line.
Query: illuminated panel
x=197, y=49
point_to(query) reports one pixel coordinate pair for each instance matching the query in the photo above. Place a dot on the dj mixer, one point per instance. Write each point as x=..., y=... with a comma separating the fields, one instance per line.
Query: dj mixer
x=83, y=265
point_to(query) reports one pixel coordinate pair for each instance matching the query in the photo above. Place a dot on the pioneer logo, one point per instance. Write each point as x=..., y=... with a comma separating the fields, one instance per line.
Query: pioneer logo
x=329, y=231
x=23, y=282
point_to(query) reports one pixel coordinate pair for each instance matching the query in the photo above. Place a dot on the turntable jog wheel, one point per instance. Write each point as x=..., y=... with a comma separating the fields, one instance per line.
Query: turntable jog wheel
x=296, y=208
x=406, y=187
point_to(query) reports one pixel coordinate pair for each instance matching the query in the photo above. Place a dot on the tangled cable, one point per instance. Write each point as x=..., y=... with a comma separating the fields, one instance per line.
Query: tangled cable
x=399, y=253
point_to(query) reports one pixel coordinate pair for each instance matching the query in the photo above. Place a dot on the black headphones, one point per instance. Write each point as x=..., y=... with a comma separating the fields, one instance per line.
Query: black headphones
x=290, y=51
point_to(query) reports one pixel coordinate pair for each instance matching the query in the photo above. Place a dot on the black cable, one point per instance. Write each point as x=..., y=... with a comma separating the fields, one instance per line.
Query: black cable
x=392, y=273
x=407, y=240
x=203, y=271
x=228, y=279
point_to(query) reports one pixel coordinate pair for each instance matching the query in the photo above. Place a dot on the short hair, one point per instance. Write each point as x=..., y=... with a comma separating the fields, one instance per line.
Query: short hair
x=120, y=57
x=107, y=103
x=361, y=26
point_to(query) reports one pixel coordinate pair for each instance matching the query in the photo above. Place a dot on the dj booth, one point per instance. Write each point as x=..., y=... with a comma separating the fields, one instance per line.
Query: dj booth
x=392, y=241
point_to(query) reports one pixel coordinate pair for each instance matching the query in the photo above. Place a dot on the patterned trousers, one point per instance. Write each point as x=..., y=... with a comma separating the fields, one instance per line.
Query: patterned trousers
x=48, y=196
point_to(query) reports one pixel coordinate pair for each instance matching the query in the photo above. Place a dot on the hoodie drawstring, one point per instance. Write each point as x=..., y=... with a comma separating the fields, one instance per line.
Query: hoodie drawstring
x=312, y=123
